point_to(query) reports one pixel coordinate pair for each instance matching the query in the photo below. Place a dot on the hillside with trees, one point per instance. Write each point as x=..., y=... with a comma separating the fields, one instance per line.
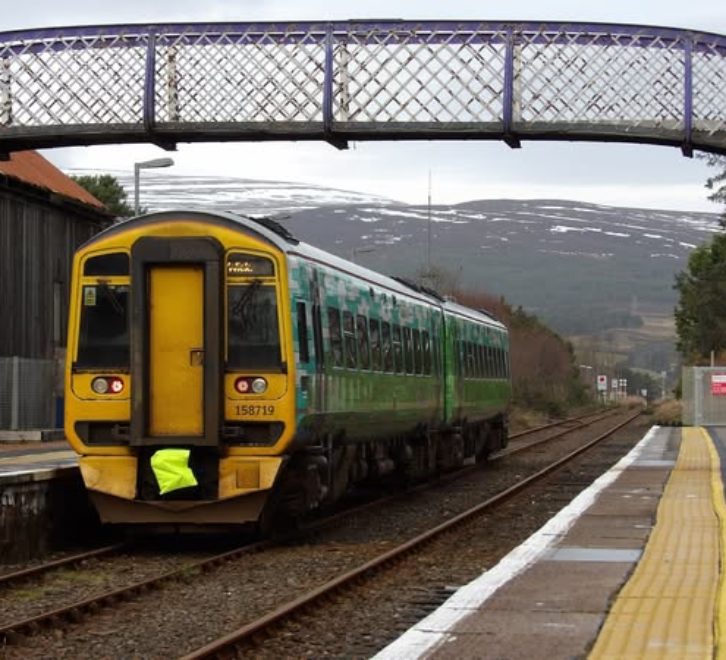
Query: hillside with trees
x=701, y=311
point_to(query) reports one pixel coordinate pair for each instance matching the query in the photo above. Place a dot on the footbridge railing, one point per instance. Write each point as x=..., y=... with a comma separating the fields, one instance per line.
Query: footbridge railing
x=362, y=80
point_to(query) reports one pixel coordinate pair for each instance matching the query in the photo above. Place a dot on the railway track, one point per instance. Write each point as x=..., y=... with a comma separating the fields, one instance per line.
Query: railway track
x=77, y=611
x=231, y=644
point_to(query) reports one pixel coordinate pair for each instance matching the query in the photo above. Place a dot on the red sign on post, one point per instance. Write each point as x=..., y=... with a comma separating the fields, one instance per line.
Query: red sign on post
x=718, y=384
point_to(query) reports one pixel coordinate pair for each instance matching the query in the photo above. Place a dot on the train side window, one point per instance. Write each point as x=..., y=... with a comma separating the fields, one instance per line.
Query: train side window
x=417, y=357
x=336, y=339
x=375, y=334
x=349, y=340
x=408, y=351
x=488, y=355
x=426, y=346
x=387, y=347
x=471, y=359
x=498, y=355
x=397, y=349
x=302, y=332
x=506, y=364
x=480, y=360
x=361, y=328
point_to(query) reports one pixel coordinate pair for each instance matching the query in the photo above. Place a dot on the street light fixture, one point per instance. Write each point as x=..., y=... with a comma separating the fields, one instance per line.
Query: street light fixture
x=156, y=162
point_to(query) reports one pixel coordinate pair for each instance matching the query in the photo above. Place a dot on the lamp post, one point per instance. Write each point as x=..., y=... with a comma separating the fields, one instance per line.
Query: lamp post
x=156, y=162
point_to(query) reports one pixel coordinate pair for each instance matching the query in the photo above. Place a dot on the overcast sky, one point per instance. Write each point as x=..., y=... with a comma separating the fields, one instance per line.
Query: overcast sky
x=618, y=174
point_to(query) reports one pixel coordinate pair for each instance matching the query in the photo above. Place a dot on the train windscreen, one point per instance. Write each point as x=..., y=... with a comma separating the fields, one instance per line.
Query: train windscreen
x=252, y=328
x=104, y=335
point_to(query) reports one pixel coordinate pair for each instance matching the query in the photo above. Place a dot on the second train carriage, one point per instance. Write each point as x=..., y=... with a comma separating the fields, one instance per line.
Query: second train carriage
x=218, y=368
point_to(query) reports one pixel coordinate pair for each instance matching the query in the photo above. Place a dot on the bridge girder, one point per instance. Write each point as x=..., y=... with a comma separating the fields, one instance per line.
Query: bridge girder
x=359, y=80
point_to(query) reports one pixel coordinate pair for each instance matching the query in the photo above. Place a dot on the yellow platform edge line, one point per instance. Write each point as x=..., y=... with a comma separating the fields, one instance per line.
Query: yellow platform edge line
x=640, y=621
x=719, y=506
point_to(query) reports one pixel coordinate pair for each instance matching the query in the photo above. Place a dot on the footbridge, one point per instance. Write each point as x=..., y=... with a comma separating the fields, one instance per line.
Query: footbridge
x=362, y=80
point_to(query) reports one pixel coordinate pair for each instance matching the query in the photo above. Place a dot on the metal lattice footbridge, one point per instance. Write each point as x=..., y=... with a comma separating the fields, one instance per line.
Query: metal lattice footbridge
x=358, y=80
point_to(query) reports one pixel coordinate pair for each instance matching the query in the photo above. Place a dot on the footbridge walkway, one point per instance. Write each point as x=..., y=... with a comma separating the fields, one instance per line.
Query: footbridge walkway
x=362, y=80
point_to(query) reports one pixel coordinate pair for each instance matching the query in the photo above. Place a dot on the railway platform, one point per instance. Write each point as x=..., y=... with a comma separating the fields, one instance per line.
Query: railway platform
x=43, y=504
x=634, y=567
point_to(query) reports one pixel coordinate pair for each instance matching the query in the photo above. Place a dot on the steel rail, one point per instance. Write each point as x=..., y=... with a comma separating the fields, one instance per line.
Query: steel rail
x=560, y=422
x=226, y=646
x=508, y=451
x=34, y=571
x=74, y=611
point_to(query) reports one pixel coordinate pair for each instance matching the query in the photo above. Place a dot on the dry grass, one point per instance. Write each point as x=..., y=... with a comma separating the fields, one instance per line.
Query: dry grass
x=668, y=413
x=521, y=419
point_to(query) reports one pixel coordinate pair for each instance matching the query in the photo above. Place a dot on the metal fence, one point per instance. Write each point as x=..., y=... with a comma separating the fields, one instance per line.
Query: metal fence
x=704, y=396
x=27, y=398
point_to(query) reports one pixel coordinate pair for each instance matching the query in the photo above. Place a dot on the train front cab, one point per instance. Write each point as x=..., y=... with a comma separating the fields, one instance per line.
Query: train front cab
x=177, y=381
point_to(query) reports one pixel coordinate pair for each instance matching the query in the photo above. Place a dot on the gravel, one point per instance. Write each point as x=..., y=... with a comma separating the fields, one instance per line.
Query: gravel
x=189, y=613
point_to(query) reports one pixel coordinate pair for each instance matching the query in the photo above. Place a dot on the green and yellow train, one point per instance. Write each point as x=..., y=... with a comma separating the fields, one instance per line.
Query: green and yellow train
x=219, y=371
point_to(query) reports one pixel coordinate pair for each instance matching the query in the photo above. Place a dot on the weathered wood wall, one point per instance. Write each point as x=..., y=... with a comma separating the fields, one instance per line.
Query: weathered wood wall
x=39, y=232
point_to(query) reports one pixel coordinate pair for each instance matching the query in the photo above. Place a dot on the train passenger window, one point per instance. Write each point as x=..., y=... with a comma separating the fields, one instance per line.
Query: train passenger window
x=472, y=359
x=397, y=349
x=408, y=351
x=351, y=360
x=375, y=335
x=302, y=333
x=361, y=328
x=104, y=336
x=253, y=334
x=417, y=357
x=498, y=358
x=490, y=368
x=480, y=360
x=386, y=346
x=426, y=348
x=336, y=338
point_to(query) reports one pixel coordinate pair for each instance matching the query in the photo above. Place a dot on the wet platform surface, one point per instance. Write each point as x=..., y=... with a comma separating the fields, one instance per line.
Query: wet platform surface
x=37, y=460
x=629, y=569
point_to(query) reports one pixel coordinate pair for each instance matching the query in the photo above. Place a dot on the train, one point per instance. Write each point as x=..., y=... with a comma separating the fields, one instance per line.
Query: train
x=221, y=372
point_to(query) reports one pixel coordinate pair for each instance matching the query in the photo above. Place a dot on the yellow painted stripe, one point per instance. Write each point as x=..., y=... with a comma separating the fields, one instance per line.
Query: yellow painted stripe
x=666, y=609
x=719, y=505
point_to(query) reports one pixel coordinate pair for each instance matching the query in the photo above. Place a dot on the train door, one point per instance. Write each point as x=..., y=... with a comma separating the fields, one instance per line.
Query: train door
x=176, y=350
x=176, y=342
x=318, y=347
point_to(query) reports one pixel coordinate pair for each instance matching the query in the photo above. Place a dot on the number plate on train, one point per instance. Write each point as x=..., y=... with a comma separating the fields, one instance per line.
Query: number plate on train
x=255, y=410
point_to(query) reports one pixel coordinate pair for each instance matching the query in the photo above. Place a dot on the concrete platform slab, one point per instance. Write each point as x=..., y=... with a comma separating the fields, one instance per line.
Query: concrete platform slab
x=550, y=596
x=586, y=587
x=550, y=635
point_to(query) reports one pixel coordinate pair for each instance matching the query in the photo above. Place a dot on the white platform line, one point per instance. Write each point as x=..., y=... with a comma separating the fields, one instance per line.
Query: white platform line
x=429, y=633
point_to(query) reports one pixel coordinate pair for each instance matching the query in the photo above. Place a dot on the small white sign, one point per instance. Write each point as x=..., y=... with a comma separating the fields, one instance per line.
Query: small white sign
x=602, y=383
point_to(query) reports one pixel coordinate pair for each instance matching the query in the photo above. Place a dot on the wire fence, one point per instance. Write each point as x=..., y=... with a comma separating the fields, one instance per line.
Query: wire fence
x=704, y=396
x=27, y=393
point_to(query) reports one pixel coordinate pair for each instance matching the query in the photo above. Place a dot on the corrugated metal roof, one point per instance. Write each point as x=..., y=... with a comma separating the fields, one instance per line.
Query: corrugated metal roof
x=30, y=167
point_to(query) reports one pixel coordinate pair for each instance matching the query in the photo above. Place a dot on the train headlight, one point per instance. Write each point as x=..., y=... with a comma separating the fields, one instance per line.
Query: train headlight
x=107, y=385
x=117, y=385
x=259, y=385
x=242, y=385
x=100, y=386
